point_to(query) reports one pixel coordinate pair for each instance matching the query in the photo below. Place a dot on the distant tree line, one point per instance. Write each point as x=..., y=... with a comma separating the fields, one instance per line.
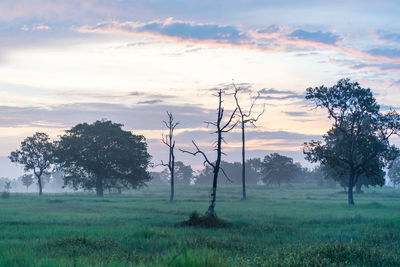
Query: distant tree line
x=102, y=156
x=94, y=156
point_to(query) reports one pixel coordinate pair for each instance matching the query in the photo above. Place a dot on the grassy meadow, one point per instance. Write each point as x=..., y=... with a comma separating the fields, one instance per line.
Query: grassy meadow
x=290, y=226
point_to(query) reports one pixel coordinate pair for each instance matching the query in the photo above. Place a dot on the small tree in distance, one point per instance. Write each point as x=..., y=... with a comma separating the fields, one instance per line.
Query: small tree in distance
x=394, y=172
x=36, y=154
x=279, y=169
x=220, y=129
x=27, y=180
x=169, y=141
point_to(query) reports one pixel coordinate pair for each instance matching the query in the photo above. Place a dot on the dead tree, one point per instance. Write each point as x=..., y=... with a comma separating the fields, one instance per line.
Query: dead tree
x=220, y=129
x=244, y=119
x=169, y=141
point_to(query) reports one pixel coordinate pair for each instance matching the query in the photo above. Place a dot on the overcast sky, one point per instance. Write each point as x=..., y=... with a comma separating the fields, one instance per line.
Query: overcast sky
x=66, y=62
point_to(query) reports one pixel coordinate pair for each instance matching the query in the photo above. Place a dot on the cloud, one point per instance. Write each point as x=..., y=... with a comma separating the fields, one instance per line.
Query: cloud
x=269, y=29
x=174, y=29
x=154, y=101
x=137, y=117
x=41, y=27
x=290, y=96
x=393, y=37
x=271, y=39
x=296, y=113
x=387, y=67
x=384, y=52
x=274, y=91
x=318, y=36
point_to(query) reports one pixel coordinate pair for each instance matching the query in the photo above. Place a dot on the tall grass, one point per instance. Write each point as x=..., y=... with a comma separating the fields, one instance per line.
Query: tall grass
x=291, y=226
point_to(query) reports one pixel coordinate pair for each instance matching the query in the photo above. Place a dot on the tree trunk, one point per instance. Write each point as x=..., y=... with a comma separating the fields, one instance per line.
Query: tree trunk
x=40, y=184
x=214, y=193
x=99, y=187
x=171, y=198
x=217, y=163
x=350, y=189
x=171, y=164
x=243, y=163
x=358, y=188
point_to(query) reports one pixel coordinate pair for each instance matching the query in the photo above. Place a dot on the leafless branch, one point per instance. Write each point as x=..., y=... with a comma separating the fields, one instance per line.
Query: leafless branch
x=226, y=176
x=198, y=151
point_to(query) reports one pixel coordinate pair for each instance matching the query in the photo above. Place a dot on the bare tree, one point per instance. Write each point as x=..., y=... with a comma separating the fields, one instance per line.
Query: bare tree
x=169, y=141
x=244, y=119
x=220, y=129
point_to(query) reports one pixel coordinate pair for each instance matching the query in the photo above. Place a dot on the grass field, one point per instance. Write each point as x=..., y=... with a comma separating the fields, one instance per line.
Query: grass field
x=274, y=227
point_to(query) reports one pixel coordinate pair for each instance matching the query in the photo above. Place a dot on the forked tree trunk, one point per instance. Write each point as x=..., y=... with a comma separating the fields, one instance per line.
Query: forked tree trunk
x=170, y=142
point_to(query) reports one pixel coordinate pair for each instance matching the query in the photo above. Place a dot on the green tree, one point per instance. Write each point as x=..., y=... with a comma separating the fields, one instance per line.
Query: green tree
x=27, y=180
x=278, y=169
x=183, y=173
x=36, y=154
x=102, y=155
x=358, y=142
x=394, y=172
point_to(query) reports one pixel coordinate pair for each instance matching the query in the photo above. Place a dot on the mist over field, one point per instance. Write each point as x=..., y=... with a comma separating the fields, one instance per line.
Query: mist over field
x=199, y=133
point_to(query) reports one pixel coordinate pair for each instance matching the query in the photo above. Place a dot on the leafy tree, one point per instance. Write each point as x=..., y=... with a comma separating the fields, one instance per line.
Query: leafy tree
x=27, y=180
x=394, y=172
x=253, y=170
x=102, y=155
x=245, y=118
x=36, y=154
x=205, y=176
x=358, y=142
x=234, y=171
x=7, y=186
x=159, y=177
x=278, y=169
x=183, y=173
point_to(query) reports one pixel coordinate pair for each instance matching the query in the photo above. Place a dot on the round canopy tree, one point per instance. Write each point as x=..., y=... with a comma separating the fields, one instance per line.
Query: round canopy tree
x=102, y=155
x=278, y=169
x=36, y=154
x=358, y=142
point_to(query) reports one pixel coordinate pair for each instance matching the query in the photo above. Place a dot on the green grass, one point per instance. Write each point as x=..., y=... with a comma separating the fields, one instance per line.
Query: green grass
x=274, y=227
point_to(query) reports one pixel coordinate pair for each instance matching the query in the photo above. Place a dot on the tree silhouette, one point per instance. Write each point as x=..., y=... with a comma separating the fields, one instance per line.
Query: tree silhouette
x=278, y=169
x=394, y=172
x=27, y=180
x=358, y=142
x=35, y=153
x=169, y=141
x=245, y=118
x=102, y=155
x=220, y=129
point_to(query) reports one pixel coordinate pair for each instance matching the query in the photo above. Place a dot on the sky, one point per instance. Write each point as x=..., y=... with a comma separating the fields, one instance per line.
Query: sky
x=67, y=62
